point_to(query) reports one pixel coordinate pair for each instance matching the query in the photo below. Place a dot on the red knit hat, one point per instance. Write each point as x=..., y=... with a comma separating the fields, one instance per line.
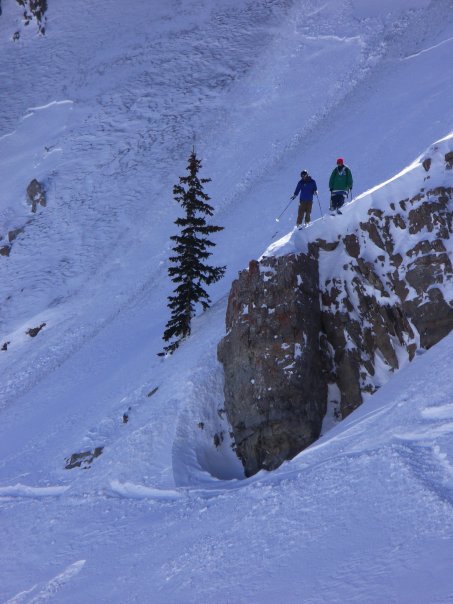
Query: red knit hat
x=340, y=161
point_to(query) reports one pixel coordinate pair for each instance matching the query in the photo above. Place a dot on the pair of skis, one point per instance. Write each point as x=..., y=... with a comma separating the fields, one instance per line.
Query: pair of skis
x=333, y=212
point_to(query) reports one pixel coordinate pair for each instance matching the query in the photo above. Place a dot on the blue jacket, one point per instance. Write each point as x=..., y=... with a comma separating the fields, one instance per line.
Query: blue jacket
x=306, y=187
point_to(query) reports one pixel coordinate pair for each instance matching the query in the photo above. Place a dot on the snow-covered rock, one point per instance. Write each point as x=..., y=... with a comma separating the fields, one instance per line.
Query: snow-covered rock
x=338, y=314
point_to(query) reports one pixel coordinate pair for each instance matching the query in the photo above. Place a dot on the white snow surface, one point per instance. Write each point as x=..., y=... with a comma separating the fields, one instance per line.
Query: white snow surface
x=104, y=109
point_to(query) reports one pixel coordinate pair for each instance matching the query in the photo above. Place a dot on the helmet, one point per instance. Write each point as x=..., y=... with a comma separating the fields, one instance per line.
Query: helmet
x=304, y=173
x=340, y=161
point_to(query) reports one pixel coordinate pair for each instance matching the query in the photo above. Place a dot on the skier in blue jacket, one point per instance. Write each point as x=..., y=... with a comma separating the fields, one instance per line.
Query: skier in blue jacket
x=306, y=187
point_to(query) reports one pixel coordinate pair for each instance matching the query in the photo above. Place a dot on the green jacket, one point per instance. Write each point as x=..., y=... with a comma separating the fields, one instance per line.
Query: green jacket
x=340, y=181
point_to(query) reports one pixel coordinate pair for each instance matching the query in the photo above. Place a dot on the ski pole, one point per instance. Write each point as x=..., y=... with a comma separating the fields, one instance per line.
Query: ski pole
x=320, y=209
x=278, y=219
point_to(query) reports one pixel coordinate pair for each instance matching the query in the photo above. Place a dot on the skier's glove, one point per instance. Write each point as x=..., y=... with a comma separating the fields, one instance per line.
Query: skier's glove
x=293, y=197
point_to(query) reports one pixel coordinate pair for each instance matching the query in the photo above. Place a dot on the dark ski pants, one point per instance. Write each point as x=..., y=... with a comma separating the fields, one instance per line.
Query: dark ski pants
x=304, y=212
x=337, y=199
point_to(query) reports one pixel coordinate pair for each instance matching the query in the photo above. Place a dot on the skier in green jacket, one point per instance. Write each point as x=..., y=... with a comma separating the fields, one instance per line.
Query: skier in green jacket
x=340, y=183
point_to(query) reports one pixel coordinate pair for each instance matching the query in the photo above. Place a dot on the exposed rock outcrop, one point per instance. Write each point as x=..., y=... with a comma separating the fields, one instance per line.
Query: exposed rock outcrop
x=338, y=318
x=33, y=331
x=14, y=233
x=83, y=460
x=35, y=9
x=274, y=390
x=36, y=194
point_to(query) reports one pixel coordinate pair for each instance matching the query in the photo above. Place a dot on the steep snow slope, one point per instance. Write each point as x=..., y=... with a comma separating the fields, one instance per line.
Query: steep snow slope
x=121, y=94
x=365, y=515
x=104, y=110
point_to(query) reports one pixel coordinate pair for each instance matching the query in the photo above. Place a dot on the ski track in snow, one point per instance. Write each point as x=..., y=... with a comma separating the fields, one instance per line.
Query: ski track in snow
x=417, y=54
x=49, y=590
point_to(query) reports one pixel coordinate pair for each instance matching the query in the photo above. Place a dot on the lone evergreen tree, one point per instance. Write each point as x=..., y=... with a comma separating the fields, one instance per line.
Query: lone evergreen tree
x=190, y=270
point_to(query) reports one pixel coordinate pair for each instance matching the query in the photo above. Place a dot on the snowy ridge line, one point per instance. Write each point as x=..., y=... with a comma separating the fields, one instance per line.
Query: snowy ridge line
x=446, y=142
x=138, y=491
x=126, y=490
x=22, y=490
x=129, y=490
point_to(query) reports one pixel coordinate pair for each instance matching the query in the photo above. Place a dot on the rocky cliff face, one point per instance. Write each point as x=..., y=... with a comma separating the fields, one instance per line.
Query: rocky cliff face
x=34, y=9
x=275, y=393
x=325, y=327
